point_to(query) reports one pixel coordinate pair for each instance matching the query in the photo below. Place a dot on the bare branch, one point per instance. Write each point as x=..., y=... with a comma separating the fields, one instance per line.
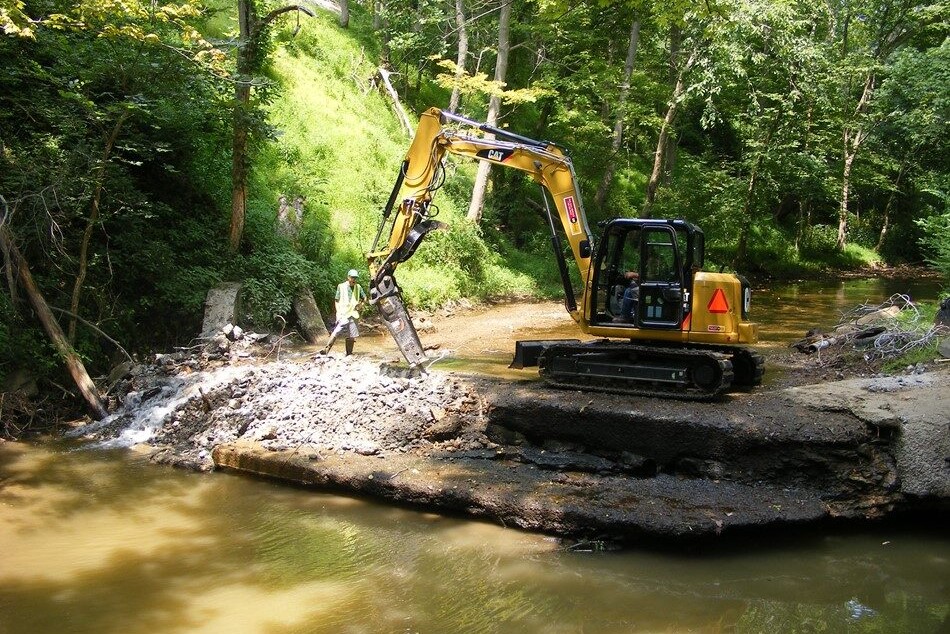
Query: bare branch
x=270, y=17
x=95, y=328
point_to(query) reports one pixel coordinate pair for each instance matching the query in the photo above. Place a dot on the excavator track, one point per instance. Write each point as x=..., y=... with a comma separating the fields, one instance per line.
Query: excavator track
x=640, y=370
x=748, y=366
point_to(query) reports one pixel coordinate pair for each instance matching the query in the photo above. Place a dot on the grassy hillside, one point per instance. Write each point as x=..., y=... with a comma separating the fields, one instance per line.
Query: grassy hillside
x=338, y=144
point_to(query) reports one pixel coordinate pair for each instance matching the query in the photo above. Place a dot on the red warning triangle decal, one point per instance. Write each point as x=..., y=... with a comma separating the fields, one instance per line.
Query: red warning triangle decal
x=718, y=303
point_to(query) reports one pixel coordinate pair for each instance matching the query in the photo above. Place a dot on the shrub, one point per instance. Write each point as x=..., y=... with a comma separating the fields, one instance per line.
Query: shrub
x=22, y=345
x=818, y=241
x=935, y=242
x=274, y=272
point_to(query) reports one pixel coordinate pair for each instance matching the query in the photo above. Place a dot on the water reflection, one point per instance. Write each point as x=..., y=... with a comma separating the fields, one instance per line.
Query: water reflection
x=787, y=311
x=102, y=542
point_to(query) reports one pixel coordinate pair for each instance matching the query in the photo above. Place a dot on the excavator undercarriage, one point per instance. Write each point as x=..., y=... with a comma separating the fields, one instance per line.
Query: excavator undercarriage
x=643, y=370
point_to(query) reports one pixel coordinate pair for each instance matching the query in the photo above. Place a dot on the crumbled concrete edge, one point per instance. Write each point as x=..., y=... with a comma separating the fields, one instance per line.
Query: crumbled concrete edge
x=520, y=495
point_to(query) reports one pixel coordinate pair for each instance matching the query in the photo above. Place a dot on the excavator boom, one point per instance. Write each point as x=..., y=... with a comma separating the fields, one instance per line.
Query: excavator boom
x=683, y=327
x=407, y=210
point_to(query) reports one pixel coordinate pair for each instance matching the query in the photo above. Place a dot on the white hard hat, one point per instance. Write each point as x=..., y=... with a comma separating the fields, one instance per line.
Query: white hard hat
x=353, y=273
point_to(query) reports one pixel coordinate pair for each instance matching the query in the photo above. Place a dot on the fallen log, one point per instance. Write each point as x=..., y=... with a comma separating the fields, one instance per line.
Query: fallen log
x=383, y=75
x=53, y=330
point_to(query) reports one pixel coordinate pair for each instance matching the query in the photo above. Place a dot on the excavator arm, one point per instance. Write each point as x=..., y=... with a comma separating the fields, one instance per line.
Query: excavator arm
x=408, y=216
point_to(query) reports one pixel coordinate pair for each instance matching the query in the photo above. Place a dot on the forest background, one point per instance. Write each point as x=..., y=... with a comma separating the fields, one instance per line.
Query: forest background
x=145, y=148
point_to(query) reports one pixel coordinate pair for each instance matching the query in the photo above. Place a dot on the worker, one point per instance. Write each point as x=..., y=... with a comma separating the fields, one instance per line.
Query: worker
x=349, y=297
x=631, y=297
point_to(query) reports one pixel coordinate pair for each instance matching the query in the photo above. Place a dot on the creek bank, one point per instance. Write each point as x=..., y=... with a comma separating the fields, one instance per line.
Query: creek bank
x=559, y=462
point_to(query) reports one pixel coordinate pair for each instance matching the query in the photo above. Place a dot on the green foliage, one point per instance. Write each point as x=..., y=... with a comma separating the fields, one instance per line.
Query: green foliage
x=935, y=240
x=22, y=345
x=918, y=320
x=454, y=263
x=115, y=111
x=273, y=272
x=818, y=240
x=479, y=84
x=13, y=21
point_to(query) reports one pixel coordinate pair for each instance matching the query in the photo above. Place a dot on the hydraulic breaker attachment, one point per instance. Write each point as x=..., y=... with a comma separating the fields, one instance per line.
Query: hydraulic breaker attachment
x=388, y=299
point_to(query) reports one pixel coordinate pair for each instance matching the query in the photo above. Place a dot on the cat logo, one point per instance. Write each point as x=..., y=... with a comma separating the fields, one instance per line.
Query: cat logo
x=496, y=155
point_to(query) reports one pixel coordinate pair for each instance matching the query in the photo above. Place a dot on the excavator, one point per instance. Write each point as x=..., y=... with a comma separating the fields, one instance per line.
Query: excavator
x=661, y=325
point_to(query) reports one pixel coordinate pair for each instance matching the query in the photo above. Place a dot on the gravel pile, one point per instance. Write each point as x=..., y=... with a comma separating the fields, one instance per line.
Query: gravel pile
x=185, y=404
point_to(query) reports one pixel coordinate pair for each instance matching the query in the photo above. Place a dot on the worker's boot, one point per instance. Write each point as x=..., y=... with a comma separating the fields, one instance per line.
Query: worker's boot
x=349, y=346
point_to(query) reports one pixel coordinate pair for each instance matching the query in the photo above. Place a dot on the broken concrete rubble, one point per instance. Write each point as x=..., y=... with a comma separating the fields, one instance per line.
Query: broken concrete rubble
x=559, y=462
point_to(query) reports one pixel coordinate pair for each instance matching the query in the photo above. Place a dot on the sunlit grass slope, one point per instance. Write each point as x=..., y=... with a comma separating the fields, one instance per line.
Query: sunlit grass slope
x=339, y=145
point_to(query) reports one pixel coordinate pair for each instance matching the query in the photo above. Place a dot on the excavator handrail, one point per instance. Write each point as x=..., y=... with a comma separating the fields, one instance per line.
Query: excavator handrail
x=498, y=132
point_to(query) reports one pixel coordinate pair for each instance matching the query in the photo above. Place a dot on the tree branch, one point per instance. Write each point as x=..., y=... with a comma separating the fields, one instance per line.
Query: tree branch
x=270, y=17
x=95, y=328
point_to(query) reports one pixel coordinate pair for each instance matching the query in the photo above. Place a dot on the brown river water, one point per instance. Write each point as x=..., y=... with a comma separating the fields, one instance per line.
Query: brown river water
x=102, y=541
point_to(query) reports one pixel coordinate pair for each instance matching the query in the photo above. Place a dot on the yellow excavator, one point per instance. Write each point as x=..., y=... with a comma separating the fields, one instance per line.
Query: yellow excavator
x=665, y=326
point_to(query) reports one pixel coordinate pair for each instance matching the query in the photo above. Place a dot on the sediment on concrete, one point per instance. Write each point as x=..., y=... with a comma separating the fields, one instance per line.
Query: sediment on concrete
x=571, y=504
x=583, y=465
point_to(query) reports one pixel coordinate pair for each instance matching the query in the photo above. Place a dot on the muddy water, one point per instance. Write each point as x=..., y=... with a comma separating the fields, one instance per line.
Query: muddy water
x=785, y=312
x=103, y=542
x=94, y=541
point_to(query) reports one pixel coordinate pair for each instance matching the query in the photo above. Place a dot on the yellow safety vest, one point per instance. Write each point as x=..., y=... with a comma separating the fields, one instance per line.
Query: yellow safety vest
x=347, y=299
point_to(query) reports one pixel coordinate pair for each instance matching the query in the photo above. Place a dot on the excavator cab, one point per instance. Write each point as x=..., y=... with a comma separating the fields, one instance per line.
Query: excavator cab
x=663, y=254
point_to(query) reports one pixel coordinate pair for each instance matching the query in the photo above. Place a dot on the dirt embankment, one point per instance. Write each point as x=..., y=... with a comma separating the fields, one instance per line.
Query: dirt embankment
x=555, y=461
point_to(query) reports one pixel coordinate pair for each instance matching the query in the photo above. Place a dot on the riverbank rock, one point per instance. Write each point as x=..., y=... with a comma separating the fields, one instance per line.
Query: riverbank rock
x=309, y=320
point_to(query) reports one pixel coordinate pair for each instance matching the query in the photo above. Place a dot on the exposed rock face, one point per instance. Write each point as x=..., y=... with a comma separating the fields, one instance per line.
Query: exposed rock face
x=221, y=307
x=560, y=462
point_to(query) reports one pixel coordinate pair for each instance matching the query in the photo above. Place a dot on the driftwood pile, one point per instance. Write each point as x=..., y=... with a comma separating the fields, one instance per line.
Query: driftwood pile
x=878, y=331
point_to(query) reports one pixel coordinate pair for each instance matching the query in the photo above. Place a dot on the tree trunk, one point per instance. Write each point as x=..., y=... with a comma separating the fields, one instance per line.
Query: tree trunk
x=73, y=363
x=91, y=224
x=890, y=205
x=746, y=218
x=381, y=24
x=345, y=13
x=853, y=137
x=663, y=140
x=617, y=139
x=494, y=105
x=242, y=98
x=845, y=192
x=462, y=54
x=247, y=50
